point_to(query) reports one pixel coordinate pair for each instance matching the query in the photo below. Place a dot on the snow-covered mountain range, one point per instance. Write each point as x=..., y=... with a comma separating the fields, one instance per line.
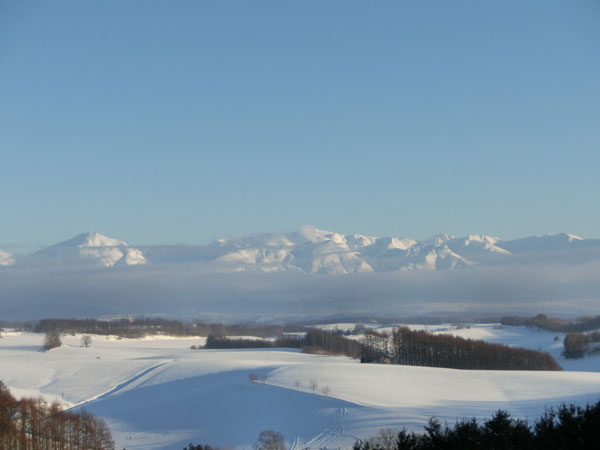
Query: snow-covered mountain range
x=311, y=250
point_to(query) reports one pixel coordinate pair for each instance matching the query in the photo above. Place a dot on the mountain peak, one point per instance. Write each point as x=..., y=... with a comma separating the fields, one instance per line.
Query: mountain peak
x=92, y=239
x=95, y=249
x=570, y=237
x=439, y=239
x=483, y=238
x=313, y=234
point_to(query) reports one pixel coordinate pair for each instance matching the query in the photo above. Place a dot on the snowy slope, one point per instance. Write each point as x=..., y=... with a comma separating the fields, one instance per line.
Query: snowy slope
x=548, y=242
x=311, y=250
x=160, y=394
x=90, y=249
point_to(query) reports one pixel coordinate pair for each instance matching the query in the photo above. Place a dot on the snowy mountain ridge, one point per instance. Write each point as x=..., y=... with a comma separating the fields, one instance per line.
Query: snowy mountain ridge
x=90, y=249
x=311, y=250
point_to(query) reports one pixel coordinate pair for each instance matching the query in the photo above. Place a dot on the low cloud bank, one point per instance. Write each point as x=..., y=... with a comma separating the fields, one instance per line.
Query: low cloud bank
x=182, y=291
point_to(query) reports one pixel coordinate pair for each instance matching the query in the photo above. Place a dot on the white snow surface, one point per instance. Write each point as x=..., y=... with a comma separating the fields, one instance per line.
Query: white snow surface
x=157, y=393
x=91, y=249
x=6, y=259
x=311, y=250
x=92, y=240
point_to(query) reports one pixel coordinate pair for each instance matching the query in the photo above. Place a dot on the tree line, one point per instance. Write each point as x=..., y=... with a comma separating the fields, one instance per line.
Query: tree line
x=140, y=327
x=224, y=342
x=554, y=324
x=404, y=346
x=563, y=428
x=32, y=424
x=576, y=345
x=420, y=348
x=125, y=327
x=319, y=341
x=314, y=341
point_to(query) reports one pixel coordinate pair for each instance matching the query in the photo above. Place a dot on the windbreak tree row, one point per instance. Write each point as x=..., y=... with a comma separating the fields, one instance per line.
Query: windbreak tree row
x=554, y=324
x=225, y=342
x=140, y=327
x=407, y=347
x=314, y=340
x=419, y=348
x=332, y=343
x=578, y=344
x=128, y=328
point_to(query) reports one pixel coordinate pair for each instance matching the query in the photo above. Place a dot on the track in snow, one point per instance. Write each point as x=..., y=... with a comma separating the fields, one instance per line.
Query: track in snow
x=328, y=435
x=119, y=386
x=294, y=445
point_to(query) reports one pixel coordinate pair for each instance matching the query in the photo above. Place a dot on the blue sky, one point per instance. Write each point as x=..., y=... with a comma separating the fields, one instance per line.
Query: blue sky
x=178, y=122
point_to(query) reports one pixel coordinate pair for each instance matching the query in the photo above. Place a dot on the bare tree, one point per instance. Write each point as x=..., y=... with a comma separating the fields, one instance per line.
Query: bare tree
x=52, y=340
x=386, y=439
x=252, y=377
x=86, y=341
x=269, y=440
x=36, y=424
x=297, y=383
x=313, y=385
x=325, y=390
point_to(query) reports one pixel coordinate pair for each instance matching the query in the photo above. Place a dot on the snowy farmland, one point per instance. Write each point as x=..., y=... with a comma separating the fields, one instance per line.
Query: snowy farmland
x=160, y=394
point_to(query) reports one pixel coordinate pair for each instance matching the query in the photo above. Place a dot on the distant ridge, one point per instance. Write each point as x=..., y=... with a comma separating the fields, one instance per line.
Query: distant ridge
x=311, y=250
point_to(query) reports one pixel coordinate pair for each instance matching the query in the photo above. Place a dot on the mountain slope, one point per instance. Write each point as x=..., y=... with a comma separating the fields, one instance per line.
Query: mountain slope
x=91, y=249
x=311, y=250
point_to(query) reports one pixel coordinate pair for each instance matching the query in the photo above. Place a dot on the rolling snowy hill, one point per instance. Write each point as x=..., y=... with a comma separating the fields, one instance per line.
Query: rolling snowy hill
x=311, y=250
x=160, y=394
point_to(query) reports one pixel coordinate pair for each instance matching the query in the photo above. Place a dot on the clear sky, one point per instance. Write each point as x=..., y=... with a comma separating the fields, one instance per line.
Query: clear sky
x=181, y=121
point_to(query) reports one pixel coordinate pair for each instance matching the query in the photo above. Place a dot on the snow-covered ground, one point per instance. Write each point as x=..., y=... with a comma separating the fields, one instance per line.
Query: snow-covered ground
x=160, y=394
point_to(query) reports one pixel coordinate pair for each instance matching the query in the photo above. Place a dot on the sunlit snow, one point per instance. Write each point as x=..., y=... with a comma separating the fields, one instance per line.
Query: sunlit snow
x=160, y=394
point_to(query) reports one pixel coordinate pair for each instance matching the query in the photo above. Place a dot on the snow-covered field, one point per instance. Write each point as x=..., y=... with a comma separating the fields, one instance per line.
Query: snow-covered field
x=160, y=394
